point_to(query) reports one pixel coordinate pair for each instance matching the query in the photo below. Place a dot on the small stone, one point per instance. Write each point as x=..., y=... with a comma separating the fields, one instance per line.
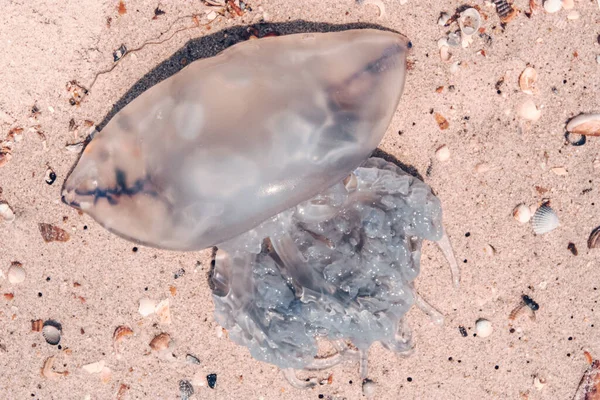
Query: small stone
x=147, y=307
x=186, y=390
x=191, y=359
x=369, y=388
x=160, y=342
x=212, y=380
x=211, y=16
x=16, y=273
x=443, y=153
x=522, y=213
x=483, y=328
x=6, y=213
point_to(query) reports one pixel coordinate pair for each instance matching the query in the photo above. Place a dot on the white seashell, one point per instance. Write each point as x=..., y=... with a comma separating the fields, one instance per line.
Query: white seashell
x=16, y=273
x=585, y=124
x=552, y=6
x=522, y=213
x=483, y=328
x=6, y=213
x=544, y=220
x=560, y=171
x=527, y=80
x=469, y=23
x=369, y=388
x=539, y=383
x=52, y=332
x=445, y=54
x=147, y=307
x=528, y=111
x=454, y=39
x=443, y=153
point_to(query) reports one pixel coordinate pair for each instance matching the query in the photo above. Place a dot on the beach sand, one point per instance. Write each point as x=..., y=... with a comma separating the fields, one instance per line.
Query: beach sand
x=93, y=283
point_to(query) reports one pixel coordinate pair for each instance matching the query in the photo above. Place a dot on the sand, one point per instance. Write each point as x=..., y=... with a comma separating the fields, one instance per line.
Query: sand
x=92, y=283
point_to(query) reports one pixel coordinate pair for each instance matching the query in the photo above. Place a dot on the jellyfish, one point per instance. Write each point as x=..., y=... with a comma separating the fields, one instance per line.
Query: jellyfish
x=264, y=151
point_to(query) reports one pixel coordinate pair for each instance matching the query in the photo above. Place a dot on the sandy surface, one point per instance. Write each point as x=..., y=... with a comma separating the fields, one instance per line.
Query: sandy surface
x=49, y=43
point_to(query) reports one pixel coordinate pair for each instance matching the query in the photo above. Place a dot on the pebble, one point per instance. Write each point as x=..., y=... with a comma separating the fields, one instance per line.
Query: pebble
x=212, y=380
x=483, y=328
x=369, y=388
x=6, y=213
x=16, y=273
x=443, y=153
x=186, y=390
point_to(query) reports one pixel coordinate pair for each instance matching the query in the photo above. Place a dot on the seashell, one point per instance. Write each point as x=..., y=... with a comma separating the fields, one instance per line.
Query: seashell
x=552, y=6
x=37, y=325
x=590, y=381
x=442, y=122
x=191, y=359
x=529, y=112
x=469, y=23
x=454, y=39
x=443, y=19
x=147, y=307
x=585, y=124
x=489, y=250
x=594, y=239
x=539, y=383
x=483, y=328
x=353, y=77
x=445, y=54
x=52, y=332
x=560, y=171
x=505, y=11
x=50, y=176
x=377, y=3
x=443, y=153
x=522, y=213
x=527, y=80
x=105, y=375
x=16, y=273
x=160, y=342
x=6, y=213
x=544, y=220
x=120, y=333
x=369, y=388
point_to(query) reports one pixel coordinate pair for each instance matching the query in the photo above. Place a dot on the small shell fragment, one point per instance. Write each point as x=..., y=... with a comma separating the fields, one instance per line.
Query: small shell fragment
x=568, y=4
x=163, y=311
x=160, y=342
x=6, y=213
x=560, y=171
x=16, y=273
x=50, y=176
x=369, y=388
x=147, y=307
x=469, y=23
x=94, y=368
x=594, y=239
x=51, y=233
x=483, y=328
x=191, y=359
x=186, y=390
x=539, y=383
x=552, y=6
x=589, y=386
x=443, y=153
x=52, y=332
x=544, y=220
x=527, y=80
x=529, y=112
x=585, y=124
x=37, y=325
x=121, y=333
x=48, y=369
x=522, y=213
x=443, y=19
x=441, y=121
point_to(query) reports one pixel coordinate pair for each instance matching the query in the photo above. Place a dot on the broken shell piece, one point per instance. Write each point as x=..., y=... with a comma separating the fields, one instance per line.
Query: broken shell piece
x=453, y=39
x=552, y=6
x=377, y=3
x=539, y=383
x=544, y=220
x=469, y=23
x=483, y=328
x=163, y=312
x=528, y=111
x=573, y=15
x=441, y=121
x=489, y=250
x=443, y=153
x=37, y=325
x=568, y=4
x=191, y=359
x=121, y=333
x=522, y=213
x=52, y=332
x=147, y=307
x=186, y=390
x=590, y=382
x=585, y=124
x=445, y=54
x=160, y=342
x=443, y=19
x=560, y=171
x=50, y=176
x=105, y=375
x=48, y=369
x=51, y=233
x=527, y=80
x=6, y=213
x=94, y=368
x=594, y=239
x=16, y=273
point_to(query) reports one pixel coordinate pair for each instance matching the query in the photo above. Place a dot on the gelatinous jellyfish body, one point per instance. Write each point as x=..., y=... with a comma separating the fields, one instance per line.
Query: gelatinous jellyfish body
x=232, y=140
x=264, y=151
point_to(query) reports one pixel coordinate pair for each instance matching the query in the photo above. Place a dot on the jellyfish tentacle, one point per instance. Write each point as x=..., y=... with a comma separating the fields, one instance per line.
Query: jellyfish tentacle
x=290, y=376
x=436, y=316
x=446, y=248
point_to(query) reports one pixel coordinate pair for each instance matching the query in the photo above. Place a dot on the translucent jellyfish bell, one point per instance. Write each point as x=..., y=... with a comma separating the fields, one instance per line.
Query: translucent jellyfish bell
x=233, y=140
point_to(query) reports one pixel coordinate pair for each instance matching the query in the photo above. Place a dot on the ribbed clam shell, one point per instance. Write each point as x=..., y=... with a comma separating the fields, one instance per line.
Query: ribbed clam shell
x=51, y=332
x=544, y=220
